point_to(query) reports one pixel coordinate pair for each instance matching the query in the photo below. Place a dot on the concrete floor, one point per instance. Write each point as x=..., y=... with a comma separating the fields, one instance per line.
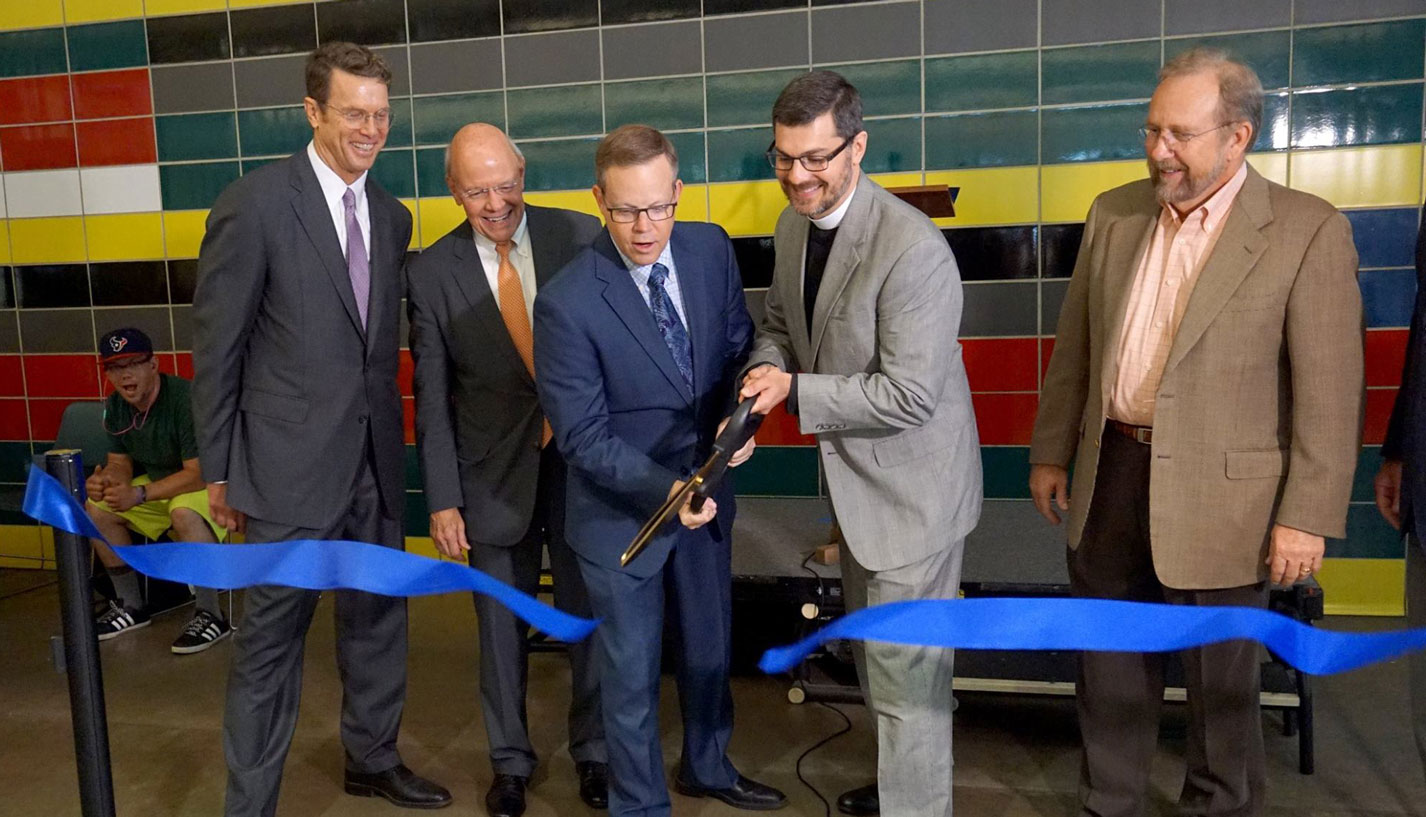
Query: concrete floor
x=1014, y=756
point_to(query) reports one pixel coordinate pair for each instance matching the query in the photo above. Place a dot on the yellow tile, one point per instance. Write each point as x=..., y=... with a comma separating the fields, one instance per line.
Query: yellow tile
x=1376, y=176
x=422, y=546
x=155, y=7
x=990, y=195
x=1273, y=166
x=692, y=205
x=46, y=542
x=438, y=216
x=183, y=232
x=415, y=242
x=47, y=240
x=580, y=200
x=746, y=208
x=1069, y=189
x=31, y=13
x=89, y=11
x=1364, y=587
x=22, y=542
x=898, y=179
x=241, y=4
x=4, y=243
x=125, y=236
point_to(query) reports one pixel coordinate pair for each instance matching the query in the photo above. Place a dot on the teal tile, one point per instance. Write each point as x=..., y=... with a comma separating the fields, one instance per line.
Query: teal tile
x=395, y=171
x=194, y=186
x=666, y=104
x=107, y=45
x=886, y=88
x=993, y=139
x=1099, y=72
x=1368, y=536
x=1368, y=463
x=778, y=471
x=1269, y=53
x=691, y=167
x=14, y=461
x=1359, y=53
x=1374, y=115
x=568, y=110
x=1276, y=130
x=1092, y=133
x=746, y=99
x=273, y=131
x=399, y=135
x=893, y=145
x=197, y=136
x=437, y=118
x=413, y=469
x=418, y=515
x=1006, y=470
x=739, y=155
x=249, y=165
x=37, y=51
x=982, y=81
x=567, y=164
x=431, y=172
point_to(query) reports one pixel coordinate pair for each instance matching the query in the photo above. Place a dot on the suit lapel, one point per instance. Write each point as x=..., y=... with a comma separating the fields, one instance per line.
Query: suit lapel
x=316, y=220
x=693, y=278
x=469, y=274
x=843, y=260
x=623, y=297
x=794, y=264
x=382, y=247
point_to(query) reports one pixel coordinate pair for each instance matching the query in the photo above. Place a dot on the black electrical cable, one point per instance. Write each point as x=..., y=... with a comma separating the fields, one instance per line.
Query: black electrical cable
x=846, y=727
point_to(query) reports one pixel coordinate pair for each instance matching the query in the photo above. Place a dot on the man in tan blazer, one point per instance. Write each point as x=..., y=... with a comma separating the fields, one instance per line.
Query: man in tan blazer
x=1206, y=383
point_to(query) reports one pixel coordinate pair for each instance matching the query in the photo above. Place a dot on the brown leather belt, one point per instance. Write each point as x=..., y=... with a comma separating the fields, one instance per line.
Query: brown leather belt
x=1139, y=434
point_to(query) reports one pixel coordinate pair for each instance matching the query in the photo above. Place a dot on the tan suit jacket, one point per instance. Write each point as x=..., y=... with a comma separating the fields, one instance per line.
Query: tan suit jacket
x=1258, y=416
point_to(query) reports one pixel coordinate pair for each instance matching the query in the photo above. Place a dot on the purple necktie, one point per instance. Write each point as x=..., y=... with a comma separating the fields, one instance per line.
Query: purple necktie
x=357, y=266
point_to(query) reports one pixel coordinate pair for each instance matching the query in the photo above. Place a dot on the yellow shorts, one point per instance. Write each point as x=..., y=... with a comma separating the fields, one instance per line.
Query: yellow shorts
x=152, y=518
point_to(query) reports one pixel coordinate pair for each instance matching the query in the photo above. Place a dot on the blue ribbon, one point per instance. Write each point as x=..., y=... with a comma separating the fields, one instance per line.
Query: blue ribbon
x=307, y=563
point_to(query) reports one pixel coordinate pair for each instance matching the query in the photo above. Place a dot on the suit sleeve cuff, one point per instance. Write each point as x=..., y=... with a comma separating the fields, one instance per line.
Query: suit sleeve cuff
x=792, y=396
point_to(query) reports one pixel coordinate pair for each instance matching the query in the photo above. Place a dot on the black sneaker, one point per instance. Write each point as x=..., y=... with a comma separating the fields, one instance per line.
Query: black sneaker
x=202, y=632
x=118, y=620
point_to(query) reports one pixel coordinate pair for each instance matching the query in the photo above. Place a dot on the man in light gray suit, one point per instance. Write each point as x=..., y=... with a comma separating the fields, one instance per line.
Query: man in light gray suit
x=296, y=322
x=859, y=338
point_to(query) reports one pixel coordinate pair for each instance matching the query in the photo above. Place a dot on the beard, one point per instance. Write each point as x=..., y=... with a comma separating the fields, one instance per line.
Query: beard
x=1191, y=185
x=832, y=192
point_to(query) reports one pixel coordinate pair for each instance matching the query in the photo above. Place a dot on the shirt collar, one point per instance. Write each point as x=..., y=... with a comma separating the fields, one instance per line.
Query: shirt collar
x=333, y=188
x=518, y=239
x=834, y=218
x=643, y=270
x=1217, y=205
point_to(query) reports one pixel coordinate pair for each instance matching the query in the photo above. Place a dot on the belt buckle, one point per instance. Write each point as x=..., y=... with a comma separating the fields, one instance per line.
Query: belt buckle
x=1144, y=435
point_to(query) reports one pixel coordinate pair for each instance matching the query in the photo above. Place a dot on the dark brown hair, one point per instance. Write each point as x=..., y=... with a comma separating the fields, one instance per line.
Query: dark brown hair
x=815, y=93
x=632, y=145
x=343, y=56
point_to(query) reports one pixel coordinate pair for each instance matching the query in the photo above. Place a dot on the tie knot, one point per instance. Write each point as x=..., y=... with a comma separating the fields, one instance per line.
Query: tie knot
x=502, y=248
x=658, y=273
x=349, y=199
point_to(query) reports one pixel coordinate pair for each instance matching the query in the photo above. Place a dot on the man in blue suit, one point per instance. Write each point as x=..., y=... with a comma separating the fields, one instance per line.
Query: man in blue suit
x=638, y=341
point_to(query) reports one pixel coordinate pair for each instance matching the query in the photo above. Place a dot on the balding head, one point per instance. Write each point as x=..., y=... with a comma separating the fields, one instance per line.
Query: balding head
x=485, y=172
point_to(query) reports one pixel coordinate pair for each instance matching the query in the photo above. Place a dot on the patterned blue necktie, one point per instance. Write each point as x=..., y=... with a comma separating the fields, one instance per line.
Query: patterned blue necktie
x=669, y=325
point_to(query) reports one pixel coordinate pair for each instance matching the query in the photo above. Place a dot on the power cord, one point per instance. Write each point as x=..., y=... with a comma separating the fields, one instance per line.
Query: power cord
x=846, y=727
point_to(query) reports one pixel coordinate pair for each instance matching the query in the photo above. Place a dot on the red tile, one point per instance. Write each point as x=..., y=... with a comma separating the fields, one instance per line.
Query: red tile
x=405, y=374
x=37, y=147
x=12, y=383
x=408, y=419
x=116, y=142
x=1379, y=403
x=34, y=99
x=112, y=93
x=62, y=376
x=14, y=421
x=1001, y=364
x=1047, y=348
x=1386, y=354
x=166, y=364
x=185, y=365
x=1005, y=419
x=44, y=418
x=780, y=428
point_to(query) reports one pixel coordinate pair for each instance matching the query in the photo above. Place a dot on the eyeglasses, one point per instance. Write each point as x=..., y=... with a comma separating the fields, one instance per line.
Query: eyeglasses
x=1174, y=138
x=628, y=215
x=356, y=118
x=501, y=190
x=814, y=164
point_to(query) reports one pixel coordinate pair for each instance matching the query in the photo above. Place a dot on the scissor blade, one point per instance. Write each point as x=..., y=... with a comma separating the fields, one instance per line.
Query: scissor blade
x=651, y=527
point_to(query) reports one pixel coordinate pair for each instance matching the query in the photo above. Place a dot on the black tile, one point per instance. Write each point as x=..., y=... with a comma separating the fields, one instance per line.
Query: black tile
x=53, y=285
x=993, y=253
x=641, y=11
x=1059, y=247
x=182, y=278
x=274, y=30
x=129, y=283
x=432, y=20
x=7, y=288
x=365, y=22
x=736, y=6
x=523, y=16
x=755, y=260
x=188, y=38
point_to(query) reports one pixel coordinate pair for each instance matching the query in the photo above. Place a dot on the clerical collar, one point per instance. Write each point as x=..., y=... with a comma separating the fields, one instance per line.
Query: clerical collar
x=834, y=218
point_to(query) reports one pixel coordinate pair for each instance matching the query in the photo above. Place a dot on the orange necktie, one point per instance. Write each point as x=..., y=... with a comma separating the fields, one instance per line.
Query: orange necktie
x=517, y=319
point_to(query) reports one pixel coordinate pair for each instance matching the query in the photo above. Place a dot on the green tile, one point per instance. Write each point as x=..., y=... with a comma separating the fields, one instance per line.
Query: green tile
x=982, y=81
x=107, y=45
x=739, y=155
x=1269, y=53
x=431, y=172
x=399, y=136
x=1092, y=133
x=418, y=516
x=568, y=110
x=249, y=165
x=672, y=104
x=1374, y=115
x=893, y=145
x=197, y=136
x=691, y=167
x=273, y=131
x=567, y=164
x=1006, y=471
x=1368, y=463
x=746, y=99
x=994, y=139
x=194, y=186
x=1276, y=130
x=437, y=118
x=395, y=172
x=1358, y=53
x=775, y=470
x=1368, y=536
x=886, y=88
x=413, y=469
x=1099, y=72
x=37, y=51
x=14, y=461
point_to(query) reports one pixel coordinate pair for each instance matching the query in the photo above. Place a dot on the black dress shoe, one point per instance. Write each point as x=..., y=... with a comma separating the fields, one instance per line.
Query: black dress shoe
x=860, y=802
x=744, y=794
x=506, y=797
x=399, y=785
x=593, y=784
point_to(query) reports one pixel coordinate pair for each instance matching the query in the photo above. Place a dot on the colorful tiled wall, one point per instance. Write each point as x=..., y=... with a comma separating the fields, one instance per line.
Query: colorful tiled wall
x=121, y=120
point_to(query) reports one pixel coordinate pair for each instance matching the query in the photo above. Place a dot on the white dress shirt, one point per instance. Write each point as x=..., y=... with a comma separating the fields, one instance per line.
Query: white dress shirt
x=640, y=274
x=520, y=257
x=333, y=188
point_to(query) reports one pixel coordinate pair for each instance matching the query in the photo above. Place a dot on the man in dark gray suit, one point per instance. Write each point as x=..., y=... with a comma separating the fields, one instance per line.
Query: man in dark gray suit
x=494, y=483
x=296, y=323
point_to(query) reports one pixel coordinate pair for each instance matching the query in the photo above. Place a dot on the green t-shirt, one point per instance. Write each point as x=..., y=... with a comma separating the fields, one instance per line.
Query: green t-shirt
x=160, y=442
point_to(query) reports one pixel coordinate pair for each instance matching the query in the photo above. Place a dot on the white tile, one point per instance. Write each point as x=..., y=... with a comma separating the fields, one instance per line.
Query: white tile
x=3, y=210
x=36, y=193
x=122, y=189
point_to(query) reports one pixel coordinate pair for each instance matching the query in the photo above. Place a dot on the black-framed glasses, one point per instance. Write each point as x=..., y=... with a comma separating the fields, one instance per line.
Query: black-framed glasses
x=814, y=164
x=501, y=190
x=1173, y=138
x=655, y=212
x=355, y=118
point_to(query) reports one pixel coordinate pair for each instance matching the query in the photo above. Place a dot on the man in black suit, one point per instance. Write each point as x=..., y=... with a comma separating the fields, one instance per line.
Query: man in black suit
x=296, y=323
x=494, y=483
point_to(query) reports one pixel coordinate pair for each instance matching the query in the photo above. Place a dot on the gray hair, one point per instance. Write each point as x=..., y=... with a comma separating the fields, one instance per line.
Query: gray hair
x=514, y=148
x=1240, y=92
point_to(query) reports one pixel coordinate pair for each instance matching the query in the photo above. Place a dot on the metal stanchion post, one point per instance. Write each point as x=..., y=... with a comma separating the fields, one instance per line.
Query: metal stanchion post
x=81, y=651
